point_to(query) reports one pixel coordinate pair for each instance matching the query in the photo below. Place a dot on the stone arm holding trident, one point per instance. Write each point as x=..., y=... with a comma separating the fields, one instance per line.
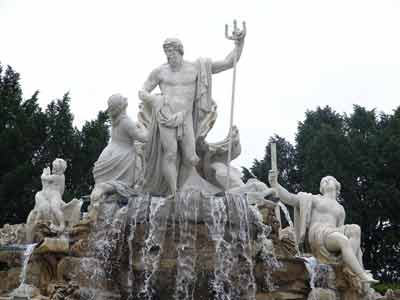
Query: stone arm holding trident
x=323, y=217
x=185, y=90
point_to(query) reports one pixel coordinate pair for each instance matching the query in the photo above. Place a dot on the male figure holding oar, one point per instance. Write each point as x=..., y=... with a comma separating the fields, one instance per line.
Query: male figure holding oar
x=182, y=113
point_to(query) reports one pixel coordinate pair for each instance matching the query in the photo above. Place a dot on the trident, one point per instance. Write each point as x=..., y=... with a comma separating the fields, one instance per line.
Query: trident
x=236, y=36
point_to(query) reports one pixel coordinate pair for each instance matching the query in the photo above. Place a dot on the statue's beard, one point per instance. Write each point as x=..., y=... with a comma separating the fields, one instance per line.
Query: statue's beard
x=173, y=61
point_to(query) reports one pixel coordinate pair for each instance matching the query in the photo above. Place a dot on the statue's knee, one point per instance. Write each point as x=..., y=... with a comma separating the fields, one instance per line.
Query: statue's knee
x=193, y=160
x=353, y=230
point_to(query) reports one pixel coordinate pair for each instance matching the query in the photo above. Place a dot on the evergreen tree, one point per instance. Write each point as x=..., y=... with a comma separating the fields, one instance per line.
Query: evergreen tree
x=321, y=148
x=93, y=139
x=22, y=133
x=361, y=151
x=286, y=164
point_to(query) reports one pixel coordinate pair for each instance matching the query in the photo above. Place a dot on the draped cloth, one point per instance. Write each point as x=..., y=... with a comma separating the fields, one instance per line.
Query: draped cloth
x=118, y=161
x=316, y=233
x=204, y=115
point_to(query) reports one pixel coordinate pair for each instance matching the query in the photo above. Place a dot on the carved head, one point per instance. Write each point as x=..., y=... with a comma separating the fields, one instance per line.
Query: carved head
x=116, y=104
x=173, y=44
x=59, y=166
x=173, y=49
x=328, y=183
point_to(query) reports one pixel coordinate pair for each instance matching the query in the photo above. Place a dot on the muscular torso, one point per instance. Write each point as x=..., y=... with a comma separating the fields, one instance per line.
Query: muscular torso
x=326, y=212
x=179, y=86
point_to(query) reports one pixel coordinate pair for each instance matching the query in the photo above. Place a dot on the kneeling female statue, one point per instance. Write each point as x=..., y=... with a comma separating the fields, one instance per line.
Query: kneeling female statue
x=119, y=165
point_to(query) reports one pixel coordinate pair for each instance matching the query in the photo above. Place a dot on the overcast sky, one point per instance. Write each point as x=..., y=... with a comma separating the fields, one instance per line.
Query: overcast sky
x=298, y=55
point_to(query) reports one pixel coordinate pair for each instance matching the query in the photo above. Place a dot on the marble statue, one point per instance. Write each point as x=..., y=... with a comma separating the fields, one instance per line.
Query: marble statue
x=119, y=165
x=49, y=206
x=322, y=217
x=181, y=115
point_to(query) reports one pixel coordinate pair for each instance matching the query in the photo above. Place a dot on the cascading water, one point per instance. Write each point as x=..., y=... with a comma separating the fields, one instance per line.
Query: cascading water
x=244, y=286
x=311, y=266
x=138, y=231
x=187, y=208
x=137, y=212
x=23, y=290
x=153, y=245
x=221, y=284
x=265, y=247
x=25, y=261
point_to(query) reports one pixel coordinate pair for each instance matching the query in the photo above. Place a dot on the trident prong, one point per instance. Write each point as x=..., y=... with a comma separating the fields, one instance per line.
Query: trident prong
x=237, y=34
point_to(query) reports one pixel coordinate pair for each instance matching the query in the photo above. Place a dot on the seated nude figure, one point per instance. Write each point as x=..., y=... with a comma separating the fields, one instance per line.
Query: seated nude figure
x=49, y=206
x=323, y=217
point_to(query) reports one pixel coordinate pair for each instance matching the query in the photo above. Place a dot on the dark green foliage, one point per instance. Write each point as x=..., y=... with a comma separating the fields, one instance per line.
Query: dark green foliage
x=287, y=168
x=31, y=139
x=22, y=133
x=362, y=151
x=93, y=138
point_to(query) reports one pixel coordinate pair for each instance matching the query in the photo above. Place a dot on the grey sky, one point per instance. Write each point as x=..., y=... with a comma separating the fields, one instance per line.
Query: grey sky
x=298, y=55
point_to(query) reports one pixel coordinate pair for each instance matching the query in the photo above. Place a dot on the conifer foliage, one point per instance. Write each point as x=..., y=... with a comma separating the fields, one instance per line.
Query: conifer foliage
x=31, y=138
x=362, y=150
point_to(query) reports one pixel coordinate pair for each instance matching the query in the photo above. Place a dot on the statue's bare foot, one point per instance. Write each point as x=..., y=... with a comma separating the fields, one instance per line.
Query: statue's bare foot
x=367, y=277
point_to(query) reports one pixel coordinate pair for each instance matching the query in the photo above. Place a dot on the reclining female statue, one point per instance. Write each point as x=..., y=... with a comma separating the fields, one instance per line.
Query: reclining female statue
x=322, y=217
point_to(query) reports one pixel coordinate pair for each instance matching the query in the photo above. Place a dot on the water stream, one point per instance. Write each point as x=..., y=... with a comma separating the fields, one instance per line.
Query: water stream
x=153, y=245
x=24, y=290
x=265, y=248
x=223, y=265
x=187, y=212
x=25, y=261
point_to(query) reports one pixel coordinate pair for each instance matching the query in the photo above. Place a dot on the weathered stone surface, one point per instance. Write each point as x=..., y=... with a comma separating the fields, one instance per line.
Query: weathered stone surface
x=80, y=248
x=84, y=270
x=322, y=294
x=12, y=234
x=9, y=280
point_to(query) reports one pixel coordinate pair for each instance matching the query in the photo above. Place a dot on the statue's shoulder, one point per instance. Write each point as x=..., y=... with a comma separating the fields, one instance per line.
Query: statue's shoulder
x=158, y=70
x=306, y=196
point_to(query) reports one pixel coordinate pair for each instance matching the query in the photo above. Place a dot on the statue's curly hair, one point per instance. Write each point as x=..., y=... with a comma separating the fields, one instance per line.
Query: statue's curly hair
x=175, y=43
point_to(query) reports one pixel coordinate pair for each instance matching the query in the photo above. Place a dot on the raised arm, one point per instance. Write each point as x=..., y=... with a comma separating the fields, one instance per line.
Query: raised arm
x=227, y=63
x=238, y=37
x=282, y=193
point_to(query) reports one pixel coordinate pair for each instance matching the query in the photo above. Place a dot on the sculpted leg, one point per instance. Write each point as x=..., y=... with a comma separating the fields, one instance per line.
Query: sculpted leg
x=189, y=145
x=338, y=242
x=169, y=157
x=353, y=232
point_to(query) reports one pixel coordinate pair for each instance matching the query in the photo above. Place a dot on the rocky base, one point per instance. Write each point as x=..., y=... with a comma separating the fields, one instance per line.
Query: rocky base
x=174, y=258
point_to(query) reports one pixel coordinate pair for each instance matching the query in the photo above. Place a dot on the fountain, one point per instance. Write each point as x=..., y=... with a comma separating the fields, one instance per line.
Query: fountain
x=170, y=218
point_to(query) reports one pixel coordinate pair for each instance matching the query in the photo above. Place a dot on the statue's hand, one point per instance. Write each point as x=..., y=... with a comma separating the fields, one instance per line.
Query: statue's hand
x=144, y=96
x=239, y=36
x=273, y=178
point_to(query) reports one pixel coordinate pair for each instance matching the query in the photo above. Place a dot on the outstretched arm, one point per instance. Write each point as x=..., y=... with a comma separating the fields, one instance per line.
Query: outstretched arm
x=282, y=193
x=227, y=63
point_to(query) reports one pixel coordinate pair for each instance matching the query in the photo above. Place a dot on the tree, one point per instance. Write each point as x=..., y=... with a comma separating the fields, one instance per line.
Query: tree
x=362, y=151
x=286, y=164
x=321, y=148
x=32, y=139
x=22, y=133
x=93, y=138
